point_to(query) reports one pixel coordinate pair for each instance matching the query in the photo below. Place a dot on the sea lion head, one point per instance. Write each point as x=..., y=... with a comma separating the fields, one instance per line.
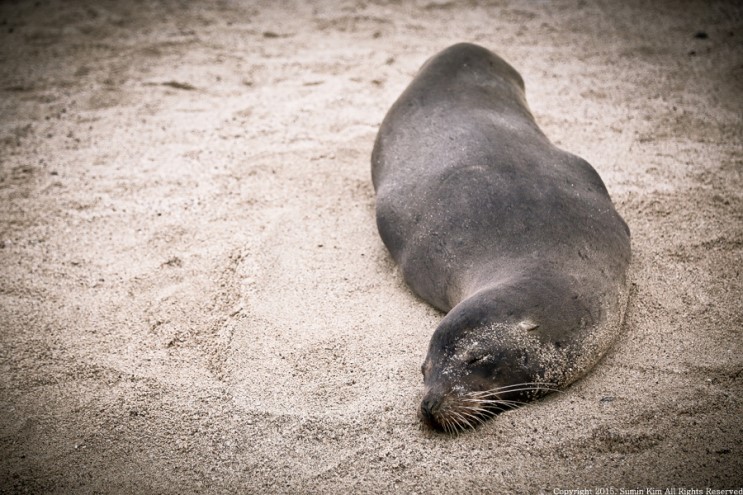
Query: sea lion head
x=489, y=354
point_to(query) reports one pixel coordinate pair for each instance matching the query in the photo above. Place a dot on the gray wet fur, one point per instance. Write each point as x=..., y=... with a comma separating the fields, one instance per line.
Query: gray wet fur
x=517, y=240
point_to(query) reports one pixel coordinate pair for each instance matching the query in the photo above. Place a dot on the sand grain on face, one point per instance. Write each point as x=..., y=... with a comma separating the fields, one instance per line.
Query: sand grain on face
x=194, y=297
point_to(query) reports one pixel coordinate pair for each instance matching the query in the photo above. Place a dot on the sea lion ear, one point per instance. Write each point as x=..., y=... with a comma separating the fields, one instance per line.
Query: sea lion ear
x=425, y=367
x=528, y=325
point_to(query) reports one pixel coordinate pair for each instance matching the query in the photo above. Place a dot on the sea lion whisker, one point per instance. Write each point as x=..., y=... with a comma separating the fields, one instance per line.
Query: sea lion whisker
x=504, y=401
x=475, y=409
x=471, y=415
x=461, y=419
x=498, y=397
x=469, y=424
x=453, y=423
x=506, y=387
x=445, y=425
x=512, y=391
x=509, y=388
x=504, y=405
x=512, y=403
x=496, y=392
x=468, y=418
x=453, y=426
x=484, y=404
x=499, y=409
x=520, y=384
x=488, y=402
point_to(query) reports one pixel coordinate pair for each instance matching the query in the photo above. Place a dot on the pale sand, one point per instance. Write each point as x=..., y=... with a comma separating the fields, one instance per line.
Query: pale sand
x=194, y=297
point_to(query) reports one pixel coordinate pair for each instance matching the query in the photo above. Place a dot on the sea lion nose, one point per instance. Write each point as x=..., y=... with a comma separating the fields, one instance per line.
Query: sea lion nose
x=428, y=409
x=426, y=406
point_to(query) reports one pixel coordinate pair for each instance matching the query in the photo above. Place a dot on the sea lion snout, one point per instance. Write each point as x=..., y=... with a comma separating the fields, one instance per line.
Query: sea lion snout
x=438, y=408
x=428, y=410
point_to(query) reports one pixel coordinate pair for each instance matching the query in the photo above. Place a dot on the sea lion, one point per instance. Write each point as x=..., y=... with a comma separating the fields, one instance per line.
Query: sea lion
x=515, y=239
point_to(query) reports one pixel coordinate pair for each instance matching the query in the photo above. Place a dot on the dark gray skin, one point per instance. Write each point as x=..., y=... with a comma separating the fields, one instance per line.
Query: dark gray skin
x=517, y=240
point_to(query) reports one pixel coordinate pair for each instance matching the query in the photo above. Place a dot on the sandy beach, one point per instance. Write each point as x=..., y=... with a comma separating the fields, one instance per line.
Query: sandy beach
x=194, y=297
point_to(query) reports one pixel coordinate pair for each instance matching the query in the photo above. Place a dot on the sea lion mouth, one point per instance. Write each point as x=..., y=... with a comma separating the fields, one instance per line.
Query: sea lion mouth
x=455, y=412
